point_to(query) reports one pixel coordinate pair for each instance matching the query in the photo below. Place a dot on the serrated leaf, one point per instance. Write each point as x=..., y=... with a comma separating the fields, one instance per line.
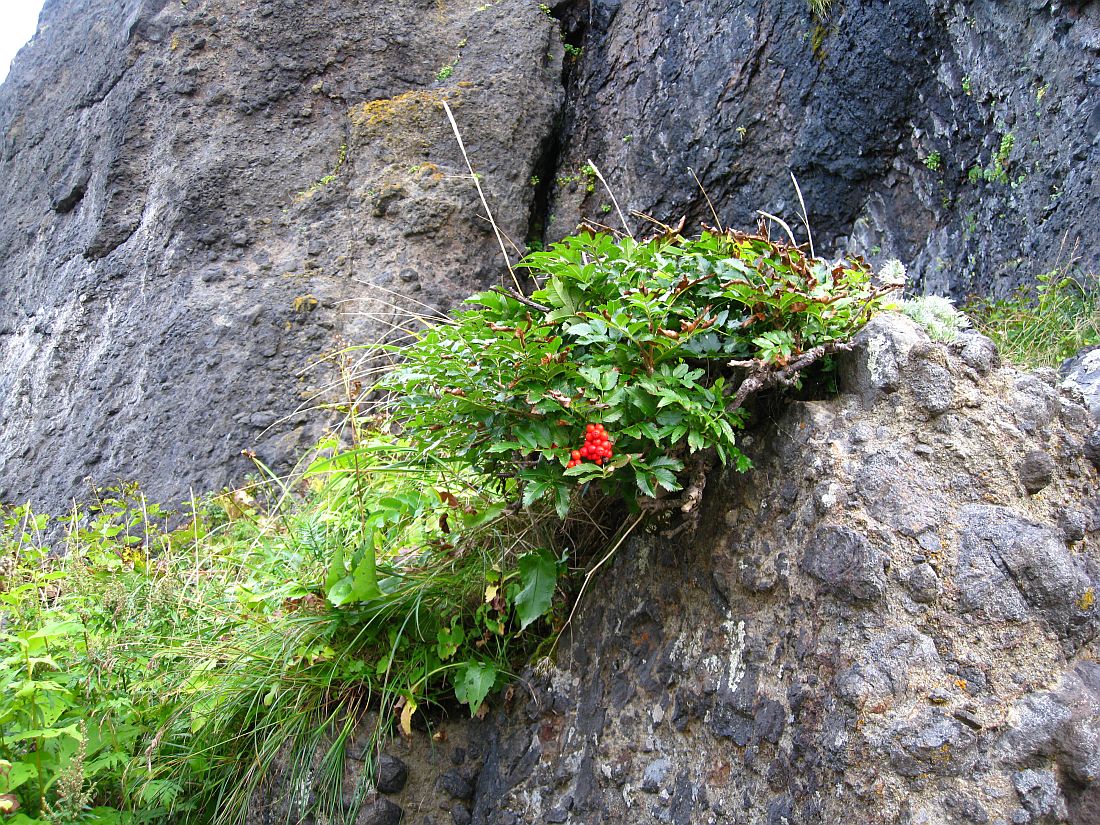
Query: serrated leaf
x=667, y=480
x=538, y=576
x=533, y=491
x=645, y=485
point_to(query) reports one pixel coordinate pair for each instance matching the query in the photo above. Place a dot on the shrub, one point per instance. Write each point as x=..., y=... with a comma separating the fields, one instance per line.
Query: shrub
x=644, y=339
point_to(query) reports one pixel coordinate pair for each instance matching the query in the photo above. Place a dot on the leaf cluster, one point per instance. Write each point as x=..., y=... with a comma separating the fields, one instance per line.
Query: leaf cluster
x=648, y=338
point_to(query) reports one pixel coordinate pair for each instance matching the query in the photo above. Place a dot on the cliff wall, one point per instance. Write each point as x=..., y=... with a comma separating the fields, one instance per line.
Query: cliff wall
x=201, y=199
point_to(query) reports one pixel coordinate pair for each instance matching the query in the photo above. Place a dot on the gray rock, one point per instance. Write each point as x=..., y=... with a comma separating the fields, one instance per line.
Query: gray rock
x=933, y=744
x=845, y=563
x=924, y=584
x=454, y=784
x=460, y=814
x=977, y=351
x=1035, y=404
x=1009, y=567
x=929, y=380
x=654, y=775
x=380, y=811
x=1082, y=372
x=1039, y=793
x=1092, y=448
x=874, y=367
x=1036, y=471
x=165, y=161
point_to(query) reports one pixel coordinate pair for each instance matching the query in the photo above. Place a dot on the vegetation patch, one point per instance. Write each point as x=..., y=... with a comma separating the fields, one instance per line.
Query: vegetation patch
x=1043, y=323
x=154, y=669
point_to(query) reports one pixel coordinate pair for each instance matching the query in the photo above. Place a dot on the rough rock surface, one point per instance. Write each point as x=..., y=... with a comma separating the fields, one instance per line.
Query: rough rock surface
x=881, y=111
x=180, y=238
x=201, y=198
x=878, y=624
x=1082, y=372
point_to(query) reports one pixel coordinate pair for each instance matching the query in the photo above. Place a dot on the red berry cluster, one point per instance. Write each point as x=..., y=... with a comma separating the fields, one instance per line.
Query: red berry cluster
x=597, y=447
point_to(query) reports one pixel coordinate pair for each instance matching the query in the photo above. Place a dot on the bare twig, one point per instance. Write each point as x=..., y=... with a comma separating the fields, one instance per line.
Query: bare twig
x=519, y=296
x=713, y=212
x=622, y=217
x=481, y=194
x=781, y=222
x=763, y=375
x=805, y=215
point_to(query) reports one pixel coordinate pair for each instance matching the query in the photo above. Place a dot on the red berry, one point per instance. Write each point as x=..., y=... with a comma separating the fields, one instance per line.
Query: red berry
x=599, y=461
x=575, y=454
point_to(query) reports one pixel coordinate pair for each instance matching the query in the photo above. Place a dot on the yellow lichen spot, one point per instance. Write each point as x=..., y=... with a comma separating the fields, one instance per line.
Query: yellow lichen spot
x=305, y=303
x=1087, y=600
x=175, y=44
x=409, y=107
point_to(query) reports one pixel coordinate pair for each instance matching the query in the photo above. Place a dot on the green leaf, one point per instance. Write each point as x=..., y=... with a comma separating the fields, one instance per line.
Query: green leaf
x=449, y=640
x=482, y=517
x=336, y=570
x=538, y=576
x=473, y=682
x=16, y=775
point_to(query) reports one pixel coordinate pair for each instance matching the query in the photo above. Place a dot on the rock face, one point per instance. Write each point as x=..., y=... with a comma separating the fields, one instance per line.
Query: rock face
x=962, y=138
x=201, y=198
x=878, y=624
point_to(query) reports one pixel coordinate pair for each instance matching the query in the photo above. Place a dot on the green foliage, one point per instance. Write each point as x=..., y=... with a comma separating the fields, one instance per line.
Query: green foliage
x=636, y=336
x=934, y=161
x=80, y=675
x=997, y=170
x=157, y=674
x=1044, y=323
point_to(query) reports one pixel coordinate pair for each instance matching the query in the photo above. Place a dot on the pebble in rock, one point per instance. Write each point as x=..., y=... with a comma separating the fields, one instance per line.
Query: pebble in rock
x=1036, y=471
x=453, y=783
x=392, y=774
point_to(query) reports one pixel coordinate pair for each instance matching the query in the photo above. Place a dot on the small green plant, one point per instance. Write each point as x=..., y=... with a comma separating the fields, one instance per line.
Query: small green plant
x=934, y=161
x=534, y=180
x=997, y=170
x=326, y=180
x=1043, y=323
x=545, y=9
x=445, y=72
x=605, y=208
x=938, y=315
x=966, y=85
x=571, y=51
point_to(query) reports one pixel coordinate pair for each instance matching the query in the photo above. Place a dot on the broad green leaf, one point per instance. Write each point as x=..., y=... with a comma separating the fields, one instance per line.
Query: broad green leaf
x=538, y=576
x=473, y=681
x=16, y=775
